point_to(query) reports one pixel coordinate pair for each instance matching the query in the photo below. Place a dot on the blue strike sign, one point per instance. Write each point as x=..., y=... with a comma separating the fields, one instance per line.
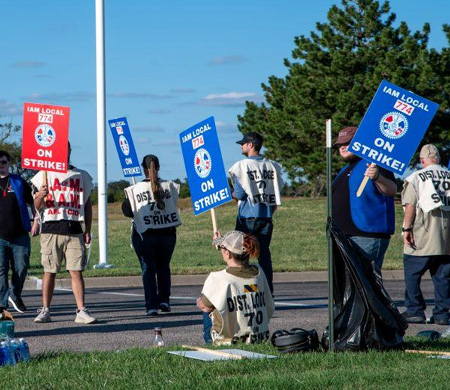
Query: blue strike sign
x=393, y=127
x=125, y=147
x=204, y=166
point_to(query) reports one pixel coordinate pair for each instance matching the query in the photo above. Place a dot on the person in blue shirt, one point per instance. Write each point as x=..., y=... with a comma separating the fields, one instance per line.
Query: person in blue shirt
x=15, y=195
x=257, y=183
x=367, y=220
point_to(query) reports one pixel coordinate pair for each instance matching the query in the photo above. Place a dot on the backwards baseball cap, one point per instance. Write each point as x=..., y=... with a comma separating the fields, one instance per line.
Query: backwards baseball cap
x=252, y=137
x=147, y=160
x=345, y=135
x=428, y=151
x=233, y=241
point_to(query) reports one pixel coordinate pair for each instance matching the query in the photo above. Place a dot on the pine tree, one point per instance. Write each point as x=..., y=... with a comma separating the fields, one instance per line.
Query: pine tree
x=334, y=74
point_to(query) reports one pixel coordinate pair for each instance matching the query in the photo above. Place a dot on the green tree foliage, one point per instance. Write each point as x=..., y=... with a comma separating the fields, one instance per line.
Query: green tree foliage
x=334, y=73
x=185, y=192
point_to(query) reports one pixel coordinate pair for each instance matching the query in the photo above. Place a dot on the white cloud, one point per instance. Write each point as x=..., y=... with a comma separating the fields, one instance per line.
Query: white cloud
x=231, y=99
x=143, y=140
x=225, y=60
x=9, y=108
x=148, y=129
x=28, y=64
x=159, y=111
x=182, y=90
x=55, y=97
x=230, y=95
x=138, y=95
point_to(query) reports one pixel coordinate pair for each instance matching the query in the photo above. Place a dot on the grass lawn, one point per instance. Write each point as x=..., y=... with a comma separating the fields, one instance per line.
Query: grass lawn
x=298, y=243
x=156, y=369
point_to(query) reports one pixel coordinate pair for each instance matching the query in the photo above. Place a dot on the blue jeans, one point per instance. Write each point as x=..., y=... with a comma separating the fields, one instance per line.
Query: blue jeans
x=262, y=229
x=207, y=325
x=414, y=268
x=375, y=248
x=17, y=250
x=154, y=253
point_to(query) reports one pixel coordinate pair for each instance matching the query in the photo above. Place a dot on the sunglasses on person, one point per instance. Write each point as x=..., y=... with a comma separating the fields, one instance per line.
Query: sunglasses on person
x=4, y=162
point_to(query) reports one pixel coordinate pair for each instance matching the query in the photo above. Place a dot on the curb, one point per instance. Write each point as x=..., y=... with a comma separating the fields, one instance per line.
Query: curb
x=34, y=283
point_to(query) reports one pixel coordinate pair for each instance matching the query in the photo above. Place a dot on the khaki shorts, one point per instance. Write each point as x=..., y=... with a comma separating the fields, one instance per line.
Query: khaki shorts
x=57, y=247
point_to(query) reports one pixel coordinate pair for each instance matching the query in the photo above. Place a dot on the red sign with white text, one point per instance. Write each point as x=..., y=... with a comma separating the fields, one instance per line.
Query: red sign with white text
x=45, y=137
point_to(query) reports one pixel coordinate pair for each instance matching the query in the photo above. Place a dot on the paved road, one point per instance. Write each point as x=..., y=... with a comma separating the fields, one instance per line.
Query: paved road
x=122, y=323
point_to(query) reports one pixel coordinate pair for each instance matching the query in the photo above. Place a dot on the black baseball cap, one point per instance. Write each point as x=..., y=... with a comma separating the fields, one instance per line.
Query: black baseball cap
x=252, y=137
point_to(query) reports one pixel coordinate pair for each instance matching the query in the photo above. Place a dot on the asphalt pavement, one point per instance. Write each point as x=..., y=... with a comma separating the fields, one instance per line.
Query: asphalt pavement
x=118, y=303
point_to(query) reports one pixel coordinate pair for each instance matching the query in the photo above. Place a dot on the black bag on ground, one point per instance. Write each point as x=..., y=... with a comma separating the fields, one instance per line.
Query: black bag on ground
x=364, y=314
x=295, y=340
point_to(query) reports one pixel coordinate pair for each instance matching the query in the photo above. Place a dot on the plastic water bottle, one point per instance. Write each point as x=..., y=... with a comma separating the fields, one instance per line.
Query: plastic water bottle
x=5, y=354
x=158, y=340
x=25, y=349
x=15, y=351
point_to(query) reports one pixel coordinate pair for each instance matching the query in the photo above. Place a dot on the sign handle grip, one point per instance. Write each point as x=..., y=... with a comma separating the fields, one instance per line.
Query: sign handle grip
x=45, y=182
x=363, y=184
x=213, y=218
x=134, y=180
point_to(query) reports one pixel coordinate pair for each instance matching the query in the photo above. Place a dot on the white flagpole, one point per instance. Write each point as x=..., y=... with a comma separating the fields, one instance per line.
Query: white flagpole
x=101, y=136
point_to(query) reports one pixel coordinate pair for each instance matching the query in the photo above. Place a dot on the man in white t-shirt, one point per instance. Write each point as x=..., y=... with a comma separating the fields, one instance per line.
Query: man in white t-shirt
x=64, y=200
x=426, y=200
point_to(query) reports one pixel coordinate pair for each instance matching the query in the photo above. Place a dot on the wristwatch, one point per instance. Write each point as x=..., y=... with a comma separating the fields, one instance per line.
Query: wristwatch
x=407, y=229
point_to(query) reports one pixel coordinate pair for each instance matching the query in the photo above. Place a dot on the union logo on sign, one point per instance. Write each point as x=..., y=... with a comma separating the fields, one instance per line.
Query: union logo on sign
x=124, y=146
x=45, y=135
x=394, y=125
x=202, y=163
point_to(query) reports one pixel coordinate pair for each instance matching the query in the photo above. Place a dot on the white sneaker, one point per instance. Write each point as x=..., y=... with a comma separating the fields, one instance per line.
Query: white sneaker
x=84, y=317
x=43, y=316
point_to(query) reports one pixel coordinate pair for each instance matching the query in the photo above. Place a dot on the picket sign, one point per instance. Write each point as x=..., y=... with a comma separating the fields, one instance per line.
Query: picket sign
x=392, y=128
x=204, y=168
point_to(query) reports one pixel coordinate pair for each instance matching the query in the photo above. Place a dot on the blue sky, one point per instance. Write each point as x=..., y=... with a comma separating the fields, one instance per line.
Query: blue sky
x=169, y=65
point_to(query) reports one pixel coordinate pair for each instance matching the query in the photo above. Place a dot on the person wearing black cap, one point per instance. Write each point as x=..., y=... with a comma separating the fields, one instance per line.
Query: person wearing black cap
x=257, y=184
x=367, y=220
x=152, y=203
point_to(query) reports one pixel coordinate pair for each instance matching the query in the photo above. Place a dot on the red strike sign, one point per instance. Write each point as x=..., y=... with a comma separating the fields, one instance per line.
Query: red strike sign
x=45, y=137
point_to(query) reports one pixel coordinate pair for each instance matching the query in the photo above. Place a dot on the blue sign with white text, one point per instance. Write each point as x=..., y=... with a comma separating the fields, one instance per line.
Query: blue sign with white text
x=392, y=127
x=204, y=166
x=125, y=147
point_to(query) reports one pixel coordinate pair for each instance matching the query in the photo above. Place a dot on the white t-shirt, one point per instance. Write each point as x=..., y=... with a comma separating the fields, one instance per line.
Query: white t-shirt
x=147, y=213
x=261, y=180
x=67, y=194
x=244, y=305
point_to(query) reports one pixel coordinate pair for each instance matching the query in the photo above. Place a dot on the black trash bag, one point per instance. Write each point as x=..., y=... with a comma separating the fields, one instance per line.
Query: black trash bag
x=364, y=315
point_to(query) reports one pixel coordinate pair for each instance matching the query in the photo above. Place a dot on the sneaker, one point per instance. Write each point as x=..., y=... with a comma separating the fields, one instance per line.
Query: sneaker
x=164, y=307
x=151, y=312
x=84, y=317
x=43, y=316
x=414, y=318
x=17, y=304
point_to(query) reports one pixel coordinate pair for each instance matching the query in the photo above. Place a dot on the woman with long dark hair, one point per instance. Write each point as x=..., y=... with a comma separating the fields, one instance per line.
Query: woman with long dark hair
x=152, y=203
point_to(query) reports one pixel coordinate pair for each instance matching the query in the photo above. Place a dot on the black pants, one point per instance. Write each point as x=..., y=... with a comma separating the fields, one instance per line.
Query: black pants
x=262, y=229
x=154, y=253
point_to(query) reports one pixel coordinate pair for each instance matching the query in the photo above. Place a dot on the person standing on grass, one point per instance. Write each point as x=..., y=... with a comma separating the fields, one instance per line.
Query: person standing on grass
x=15, y=195
x=65, y=203
x=368, y=220
x=152, y=203
x=257, y=184
x=236, y=302
x=426, y=201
